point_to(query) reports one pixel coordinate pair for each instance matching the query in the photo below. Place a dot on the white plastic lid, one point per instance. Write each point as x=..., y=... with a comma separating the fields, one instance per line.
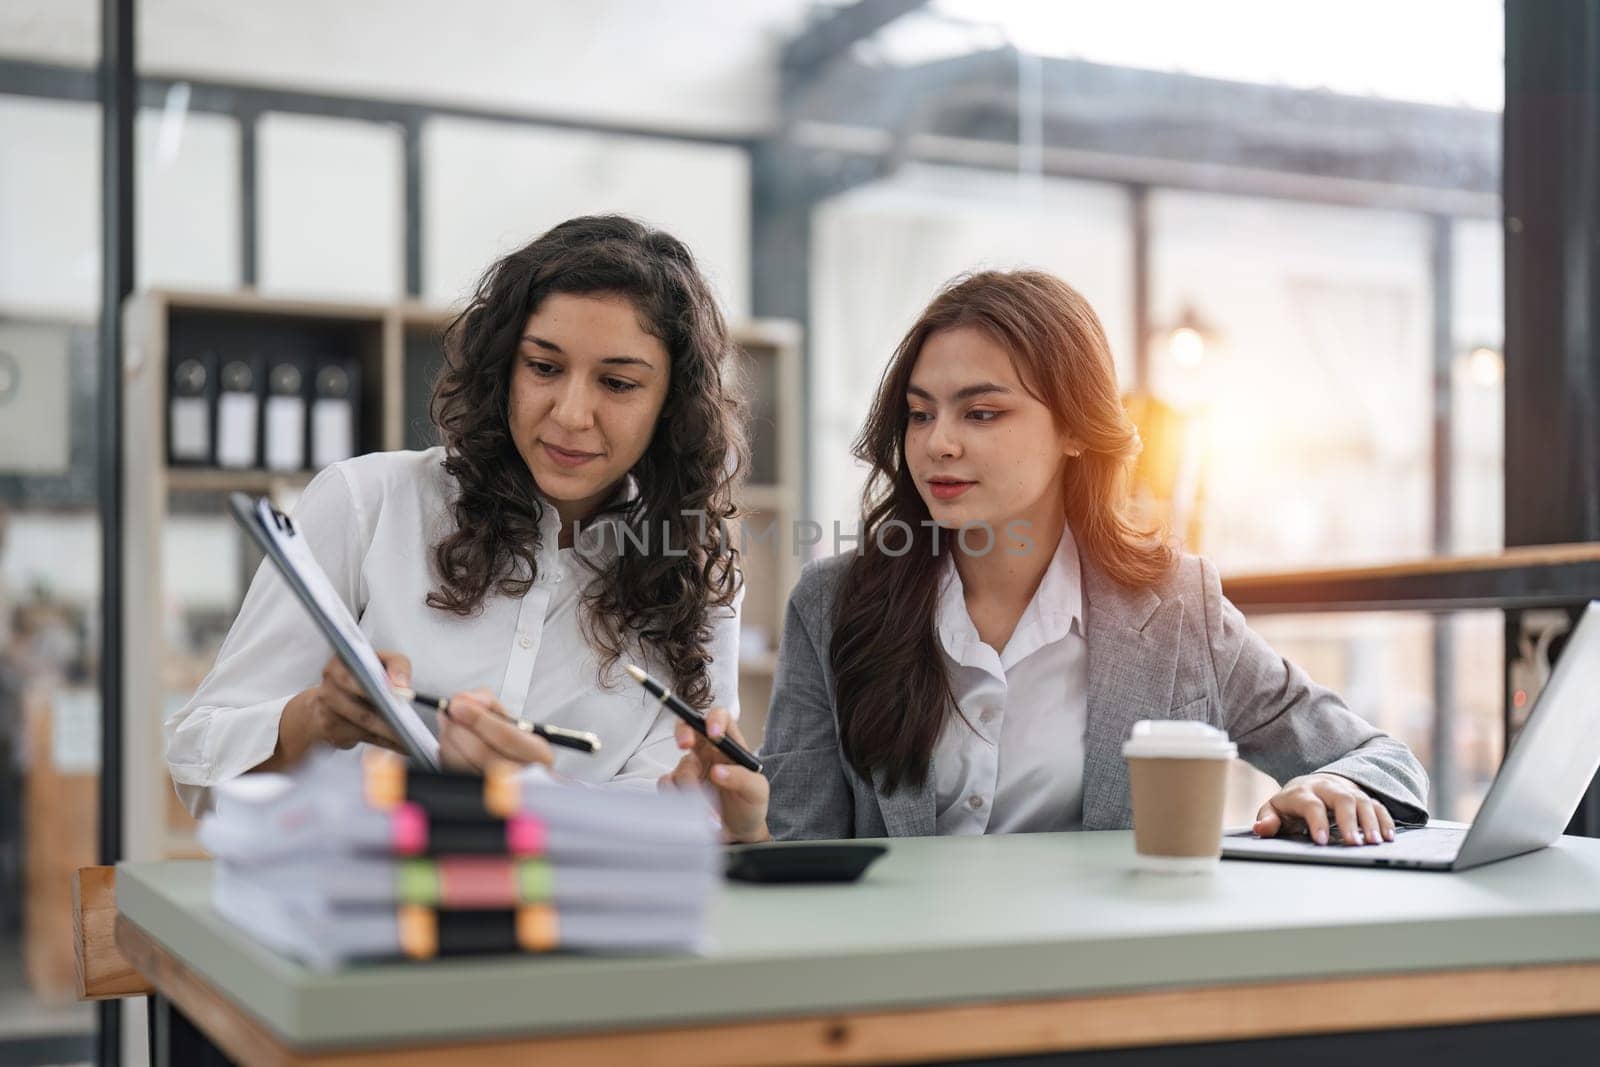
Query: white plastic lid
x=1181, y=739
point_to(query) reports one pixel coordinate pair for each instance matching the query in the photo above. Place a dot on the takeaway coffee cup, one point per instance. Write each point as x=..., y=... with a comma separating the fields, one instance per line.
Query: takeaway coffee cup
x=1178, y=772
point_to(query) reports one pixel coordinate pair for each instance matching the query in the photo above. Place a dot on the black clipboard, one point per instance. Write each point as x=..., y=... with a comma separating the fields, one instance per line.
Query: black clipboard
x=276, y=534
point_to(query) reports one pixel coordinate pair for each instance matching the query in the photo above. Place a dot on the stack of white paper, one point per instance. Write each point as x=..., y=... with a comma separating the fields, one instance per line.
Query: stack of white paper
x=312, y=865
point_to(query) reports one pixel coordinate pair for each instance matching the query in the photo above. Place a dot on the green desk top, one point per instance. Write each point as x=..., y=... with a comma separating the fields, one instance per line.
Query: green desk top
x=937, y=920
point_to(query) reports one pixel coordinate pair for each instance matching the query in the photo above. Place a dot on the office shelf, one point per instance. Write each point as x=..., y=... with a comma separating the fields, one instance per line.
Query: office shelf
x=218, y=480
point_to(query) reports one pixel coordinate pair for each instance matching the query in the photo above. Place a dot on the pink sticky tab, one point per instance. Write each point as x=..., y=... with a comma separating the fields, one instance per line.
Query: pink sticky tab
x=409, y=826
x=525, y=835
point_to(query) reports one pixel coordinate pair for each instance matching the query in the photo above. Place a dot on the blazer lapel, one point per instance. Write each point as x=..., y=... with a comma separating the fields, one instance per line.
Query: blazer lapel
x=910, y=810
x=1133, y=638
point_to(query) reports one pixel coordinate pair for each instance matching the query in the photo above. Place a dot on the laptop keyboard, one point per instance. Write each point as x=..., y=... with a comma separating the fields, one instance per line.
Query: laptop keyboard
x=1438, y=843
x=1337, y=838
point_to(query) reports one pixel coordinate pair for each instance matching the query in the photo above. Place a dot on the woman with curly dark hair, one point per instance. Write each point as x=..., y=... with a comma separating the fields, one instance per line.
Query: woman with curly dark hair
x=977, y=665
x=572, y=520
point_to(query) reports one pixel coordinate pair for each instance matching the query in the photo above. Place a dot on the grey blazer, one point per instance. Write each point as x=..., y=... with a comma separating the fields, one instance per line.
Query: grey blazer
x=1178, y=651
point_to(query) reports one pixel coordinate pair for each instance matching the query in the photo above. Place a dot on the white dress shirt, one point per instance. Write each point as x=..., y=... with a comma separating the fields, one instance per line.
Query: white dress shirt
x=1012, y=760
x=372, y=523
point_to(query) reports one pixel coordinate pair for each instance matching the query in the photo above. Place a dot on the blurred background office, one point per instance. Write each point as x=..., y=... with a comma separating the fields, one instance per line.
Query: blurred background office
x=1289, y=216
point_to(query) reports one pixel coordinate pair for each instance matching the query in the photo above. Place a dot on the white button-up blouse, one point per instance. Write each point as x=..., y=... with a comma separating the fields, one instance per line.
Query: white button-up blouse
x=372, y=523
x=1012, y=760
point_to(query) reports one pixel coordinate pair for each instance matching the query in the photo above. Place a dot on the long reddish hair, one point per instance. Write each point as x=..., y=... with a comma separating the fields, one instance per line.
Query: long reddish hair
x=892, y=690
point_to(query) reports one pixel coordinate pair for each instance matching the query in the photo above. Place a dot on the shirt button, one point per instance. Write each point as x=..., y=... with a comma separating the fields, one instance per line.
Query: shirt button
x=524, y=640
x=986, y=715
x=974, y=802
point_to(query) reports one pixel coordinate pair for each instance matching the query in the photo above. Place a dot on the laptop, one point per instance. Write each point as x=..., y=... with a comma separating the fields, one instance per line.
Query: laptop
x=1539, y=785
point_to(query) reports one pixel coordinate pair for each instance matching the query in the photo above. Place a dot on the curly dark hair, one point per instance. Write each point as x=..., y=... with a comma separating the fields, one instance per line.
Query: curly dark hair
x=661, y=600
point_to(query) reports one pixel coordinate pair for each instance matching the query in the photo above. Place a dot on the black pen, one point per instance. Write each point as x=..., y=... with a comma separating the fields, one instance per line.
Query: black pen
x=725, y=744
x=582, y=740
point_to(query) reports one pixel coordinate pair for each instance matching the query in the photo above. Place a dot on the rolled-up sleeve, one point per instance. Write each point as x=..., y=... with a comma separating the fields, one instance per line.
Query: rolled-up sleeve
x=272, y=652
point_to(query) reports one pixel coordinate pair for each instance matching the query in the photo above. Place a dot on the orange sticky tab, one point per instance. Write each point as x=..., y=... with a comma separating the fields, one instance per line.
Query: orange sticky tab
x=537, y=928
x=384, y=775
x=502, y=793
x=419, y=931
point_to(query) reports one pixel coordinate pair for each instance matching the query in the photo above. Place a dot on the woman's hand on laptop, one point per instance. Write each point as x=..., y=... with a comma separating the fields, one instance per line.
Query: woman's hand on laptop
x=1307, y=800
x=741, y=794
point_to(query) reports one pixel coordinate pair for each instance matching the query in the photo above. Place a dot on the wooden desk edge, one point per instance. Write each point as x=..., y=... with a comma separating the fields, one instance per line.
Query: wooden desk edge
x=1010, y=1028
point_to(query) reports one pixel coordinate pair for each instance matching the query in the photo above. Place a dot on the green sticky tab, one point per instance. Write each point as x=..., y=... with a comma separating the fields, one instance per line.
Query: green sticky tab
x=417, y=882
x=535, y=880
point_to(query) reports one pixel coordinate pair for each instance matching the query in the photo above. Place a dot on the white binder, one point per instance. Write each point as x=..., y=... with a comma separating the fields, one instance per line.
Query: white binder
x=333, y=421
x=285, y=422
x=238, y=416
x=189, y=412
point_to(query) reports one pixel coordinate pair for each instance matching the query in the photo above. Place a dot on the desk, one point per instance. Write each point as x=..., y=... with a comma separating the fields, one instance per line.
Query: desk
x=950, y=948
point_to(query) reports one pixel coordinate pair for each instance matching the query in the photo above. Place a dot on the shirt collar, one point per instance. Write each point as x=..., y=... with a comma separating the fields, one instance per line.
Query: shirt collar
x=1061, y=592
x=1056, y=605
x=612, y=512
x=955, y=625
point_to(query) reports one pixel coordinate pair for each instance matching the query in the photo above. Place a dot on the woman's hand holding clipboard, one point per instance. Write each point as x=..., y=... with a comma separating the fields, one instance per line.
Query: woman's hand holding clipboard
x=336, y=712
x=365, y=695
x=283, y=546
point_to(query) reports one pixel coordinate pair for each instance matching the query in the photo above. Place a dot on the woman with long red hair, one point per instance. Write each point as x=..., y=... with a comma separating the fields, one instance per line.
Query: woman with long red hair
x=976, y=666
